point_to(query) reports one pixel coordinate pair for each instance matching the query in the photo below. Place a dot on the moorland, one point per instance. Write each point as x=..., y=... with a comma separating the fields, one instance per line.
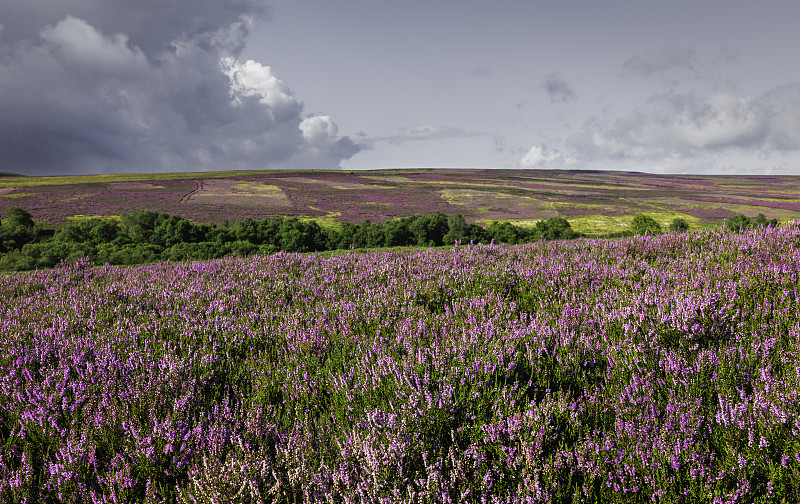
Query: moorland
x=593, y=202
x=660, y=366
x=643, y=369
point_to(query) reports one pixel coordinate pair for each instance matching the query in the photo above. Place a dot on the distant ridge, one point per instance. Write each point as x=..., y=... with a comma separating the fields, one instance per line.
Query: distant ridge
x=593, y=201
x=9, y=174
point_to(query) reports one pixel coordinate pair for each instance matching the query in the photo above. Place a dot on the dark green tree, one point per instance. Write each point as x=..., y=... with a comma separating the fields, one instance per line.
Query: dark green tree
x=139, y=225
x=17, y=229
x=554, y=228
x=762, y=221
x=430, y=229
x=503, y=232
x=247, y=230
x=397, y=232
x=679, y=225
x=456, y=229
x=645, y=225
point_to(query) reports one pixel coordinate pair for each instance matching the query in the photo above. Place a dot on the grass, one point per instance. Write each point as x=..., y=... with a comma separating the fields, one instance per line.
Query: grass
x=598, y=224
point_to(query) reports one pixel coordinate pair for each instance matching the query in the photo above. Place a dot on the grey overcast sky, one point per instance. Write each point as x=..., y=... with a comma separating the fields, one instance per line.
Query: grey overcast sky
x=106, y=86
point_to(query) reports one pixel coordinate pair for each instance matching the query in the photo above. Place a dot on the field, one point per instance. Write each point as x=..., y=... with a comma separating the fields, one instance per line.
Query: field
x=646, y=369
x=593, y=202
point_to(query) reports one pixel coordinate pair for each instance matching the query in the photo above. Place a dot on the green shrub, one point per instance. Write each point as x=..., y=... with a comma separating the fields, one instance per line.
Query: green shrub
x=645, y=225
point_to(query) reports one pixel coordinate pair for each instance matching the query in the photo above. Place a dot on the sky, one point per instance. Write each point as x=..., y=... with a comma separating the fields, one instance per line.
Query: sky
x=114, y=86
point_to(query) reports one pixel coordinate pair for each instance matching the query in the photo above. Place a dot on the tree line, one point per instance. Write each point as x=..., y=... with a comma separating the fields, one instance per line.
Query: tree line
x=147, y=236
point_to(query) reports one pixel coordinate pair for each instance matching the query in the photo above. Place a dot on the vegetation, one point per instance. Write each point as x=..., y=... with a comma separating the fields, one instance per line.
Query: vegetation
x=656, y=368
x=645, y=225
x=679, y=225
x=740, y=223
x=147, y=236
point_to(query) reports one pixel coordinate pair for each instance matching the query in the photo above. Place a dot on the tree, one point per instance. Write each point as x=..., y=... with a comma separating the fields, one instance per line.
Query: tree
x=645, y=225
x=554, y=228
x=762, y=221
x=139, y=225
x=456, y=229
x=16, y=216
x=246, y=230
x=679, y=225
x=17, y=229
x=298, y=236
x=503, y=232
x=430, y=229
x=738, y=223
x=397, y=232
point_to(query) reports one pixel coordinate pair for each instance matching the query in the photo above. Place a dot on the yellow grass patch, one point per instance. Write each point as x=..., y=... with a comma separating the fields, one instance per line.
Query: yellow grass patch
x=469, y=197
x=16, y=195
x=560, y=205
x=234, y=191
x=327, y=220
x=78, y=197
x=337, y=185
x=600, y=224
x=81, y=217
x=389, y=178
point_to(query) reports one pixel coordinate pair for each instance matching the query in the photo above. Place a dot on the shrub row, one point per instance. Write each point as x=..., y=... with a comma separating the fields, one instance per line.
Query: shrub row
x=146, y=236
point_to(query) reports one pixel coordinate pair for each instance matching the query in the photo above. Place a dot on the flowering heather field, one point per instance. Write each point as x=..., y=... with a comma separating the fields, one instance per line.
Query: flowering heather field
x=649, y=369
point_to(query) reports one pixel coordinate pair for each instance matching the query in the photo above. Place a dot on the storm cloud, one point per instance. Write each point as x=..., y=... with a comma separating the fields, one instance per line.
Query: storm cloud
x=89, y=86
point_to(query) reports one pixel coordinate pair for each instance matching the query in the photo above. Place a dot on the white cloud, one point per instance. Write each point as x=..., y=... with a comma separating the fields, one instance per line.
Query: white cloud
x=684, y=126
x=539, y=156
x=253, y=79
x=318, y=130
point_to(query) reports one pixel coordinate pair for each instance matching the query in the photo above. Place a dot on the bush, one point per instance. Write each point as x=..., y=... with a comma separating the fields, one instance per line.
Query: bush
x=645, y=225
x=679, y=225
x=741, y=222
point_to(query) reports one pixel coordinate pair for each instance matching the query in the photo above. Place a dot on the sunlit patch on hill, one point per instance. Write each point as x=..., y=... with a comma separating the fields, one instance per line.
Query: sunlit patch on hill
x=215, y=191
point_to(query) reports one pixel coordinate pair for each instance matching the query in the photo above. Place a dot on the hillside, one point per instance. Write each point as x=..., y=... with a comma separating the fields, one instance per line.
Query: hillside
x=591, y=201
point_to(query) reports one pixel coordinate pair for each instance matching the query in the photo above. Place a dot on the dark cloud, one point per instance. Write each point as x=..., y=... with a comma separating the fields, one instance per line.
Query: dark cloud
x=557, y=89
x=152, y=25
x=89, y=86
x=685, y=126
x=662, y=63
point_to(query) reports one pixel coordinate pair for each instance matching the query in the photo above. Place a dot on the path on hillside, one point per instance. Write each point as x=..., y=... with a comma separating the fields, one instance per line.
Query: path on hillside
x=198, y=186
